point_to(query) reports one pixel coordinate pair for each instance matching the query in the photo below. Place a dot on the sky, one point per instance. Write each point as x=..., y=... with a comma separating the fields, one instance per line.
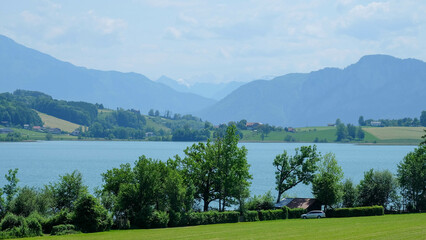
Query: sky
x=216, y=41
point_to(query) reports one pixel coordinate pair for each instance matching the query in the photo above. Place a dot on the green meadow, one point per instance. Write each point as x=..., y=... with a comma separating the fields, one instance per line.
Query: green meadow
x=404, y=226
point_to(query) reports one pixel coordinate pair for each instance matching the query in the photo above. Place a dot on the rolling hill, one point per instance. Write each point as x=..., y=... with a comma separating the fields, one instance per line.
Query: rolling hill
x=25, y=68
x=377, y=86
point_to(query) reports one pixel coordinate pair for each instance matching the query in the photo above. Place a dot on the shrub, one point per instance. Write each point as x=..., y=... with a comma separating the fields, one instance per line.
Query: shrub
x=251, y=216
x=159, y=219
x=62, y=217
x=90, y=215
x=271, y=215
x=261, y=202
x=356, y=212
x=34, y=227
x=11, y=221
x=63, y=229
x=295, y=212
x=213, y=217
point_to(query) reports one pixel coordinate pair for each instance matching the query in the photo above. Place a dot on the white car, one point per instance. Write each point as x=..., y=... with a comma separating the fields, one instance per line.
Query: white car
x=313, y=214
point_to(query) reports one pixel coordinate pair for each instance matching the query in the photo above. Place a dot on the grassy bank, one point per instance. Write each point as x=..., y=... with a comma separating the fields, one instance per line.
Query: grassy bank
x=407, y=226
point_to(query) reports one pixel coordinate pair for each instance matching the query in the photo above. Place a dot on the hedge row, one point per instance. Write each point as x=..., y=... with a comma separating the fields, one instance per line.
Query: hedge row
x=212, y=217
x=295, y=212
x=265, y=215
x=356, y=212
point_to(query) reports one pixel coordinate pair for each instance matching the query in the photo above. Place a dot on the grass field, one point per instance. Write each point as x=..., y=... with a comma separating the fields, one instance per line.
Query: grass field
x=53, y=122
x=407, y=226
x=387, y=133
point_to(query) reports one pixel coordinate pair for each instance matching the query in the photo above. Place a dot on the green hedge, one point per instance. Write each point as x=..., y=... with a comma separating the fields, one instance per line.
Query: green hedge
x=13, y=226
x=356, y=212
x=251, y=216
x=63, y=229
x=295, y=212
x=212, y=217
x=272, y=214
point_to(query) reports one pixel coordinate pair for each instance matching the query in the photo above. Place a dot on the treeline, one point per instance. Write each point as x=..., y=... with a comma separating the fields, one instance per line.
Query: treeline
x=349, y=132
x=16, y=113
x=403, y=122
x=153, y=193
x=77, y=112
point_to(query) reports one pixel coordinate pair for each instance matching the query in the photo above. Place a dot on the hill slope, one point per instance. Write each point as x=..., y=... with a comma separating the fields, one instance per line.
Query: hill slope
x=25, y=68
x=377, y=86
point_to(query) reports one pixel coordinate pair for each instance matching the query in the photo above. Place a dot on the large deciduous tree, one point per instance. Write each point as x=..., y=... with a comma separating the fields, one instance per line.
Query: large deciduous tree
x=377, y=188
x=412, y=178
x=326, y=185
x=292, y=170
x=349, y=194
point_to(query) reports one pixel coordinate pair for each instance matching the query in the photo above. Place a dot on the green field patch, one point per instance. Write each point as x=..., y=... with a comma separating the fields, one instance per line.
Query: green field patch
x=405, y=226
x=54, y=122
x=389, y=133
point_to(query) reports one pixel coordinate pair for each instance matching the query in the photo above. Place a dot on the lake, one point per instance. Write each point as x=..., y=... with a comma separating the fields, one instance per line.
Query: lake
x=42, y=162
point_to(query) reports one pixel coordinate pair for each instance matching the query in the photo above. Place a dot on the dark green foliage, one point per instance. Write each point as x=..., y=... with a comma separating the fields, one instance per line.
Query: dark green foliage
x=26, y=202
x=17, y=113
x=265, y=215
x=349, y=194
x=355, y=212
x=11, y=188
x=69, y=188
x=90, y=215
x=423, y=119
x=412, y=178
x=261, y=202
x=251, y=216
x=295, y=212
x=292, y=170
x=34, y=226
x=159, y=219
x=13, y=226
x=187, y=134
x=10, y=221
x=377, y=188
x=62, y=217
x=63, y=229
x=213, y=217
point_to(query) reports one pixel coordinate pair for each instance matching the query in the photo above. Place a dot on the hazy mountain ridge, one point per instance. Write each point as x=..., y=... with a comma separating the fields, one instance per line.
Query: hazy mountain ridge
x=25, y=68
x=215, y=91
x=377, y=86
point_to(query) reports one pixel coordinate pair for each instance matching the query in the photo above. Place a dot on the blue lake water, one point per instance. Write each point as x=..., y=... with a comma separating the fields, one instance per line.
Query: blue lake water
x=42, y=162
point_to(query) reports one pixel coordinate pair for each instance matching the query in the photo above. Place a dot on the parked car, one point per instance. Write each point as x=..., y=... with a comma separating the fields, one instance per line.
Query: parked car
x=313, y=214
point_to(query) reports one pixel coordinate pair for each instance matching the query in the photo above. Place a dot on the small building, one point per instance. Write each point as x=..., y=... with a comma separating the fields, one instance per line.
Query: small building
x=149, y=134
x=75, y=133
x=252, y=125
x=331, y=124
x=376, y=124
x=54, y=130
x=37, y=128
x=305, y=203
x=26, y=126
x=290, y=129
x=5, y=123
x=5, y=130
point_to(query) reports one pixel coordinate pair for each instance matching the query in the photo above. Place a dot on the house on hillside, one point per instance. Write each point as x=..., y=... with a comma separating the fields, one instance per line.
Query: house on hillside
x=54, y=130
x=305, y=203
x=376, y=124
x=5, y=130
x=252, y=125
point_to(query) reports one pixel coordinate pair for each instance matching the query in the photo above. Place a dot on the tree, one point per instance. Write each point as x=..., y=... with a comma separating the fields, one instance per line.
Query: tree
x=412, y=178
x=349, y=194
x=326, y=185
x=218, y=170
x=377, y=188
x=11, y=188
x=423, y=119
x=351, y=129
x=90, y=215
x=361, y=121
x=341, y=132
x=292, y=170
x=69, y=188
x=360, y=133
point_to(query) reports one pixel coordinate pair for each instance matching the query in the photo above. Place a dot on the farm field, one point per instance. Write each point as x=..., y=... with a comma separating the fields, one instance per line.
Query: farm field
x=53, y=122
x=388, y=133
x=406, y=226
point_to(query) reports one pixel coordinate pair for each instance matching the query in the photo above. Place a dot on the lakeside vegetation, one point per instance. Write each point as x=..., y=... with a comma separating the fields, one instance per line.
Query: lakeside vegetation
x=406, y=226
x=200, y=188
x=52, y=119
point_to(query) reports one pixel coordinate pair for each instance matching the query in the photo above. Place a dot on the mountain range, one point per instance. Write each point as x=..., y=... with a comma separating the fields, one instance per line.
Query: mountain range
x=25, y=68
x=215, y=91
x=377, y=86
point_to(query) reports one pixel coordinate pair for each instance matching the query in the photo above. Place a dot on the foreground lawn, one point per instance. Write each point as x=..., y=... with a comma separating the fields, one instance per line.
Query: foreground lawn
x=408, y=226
